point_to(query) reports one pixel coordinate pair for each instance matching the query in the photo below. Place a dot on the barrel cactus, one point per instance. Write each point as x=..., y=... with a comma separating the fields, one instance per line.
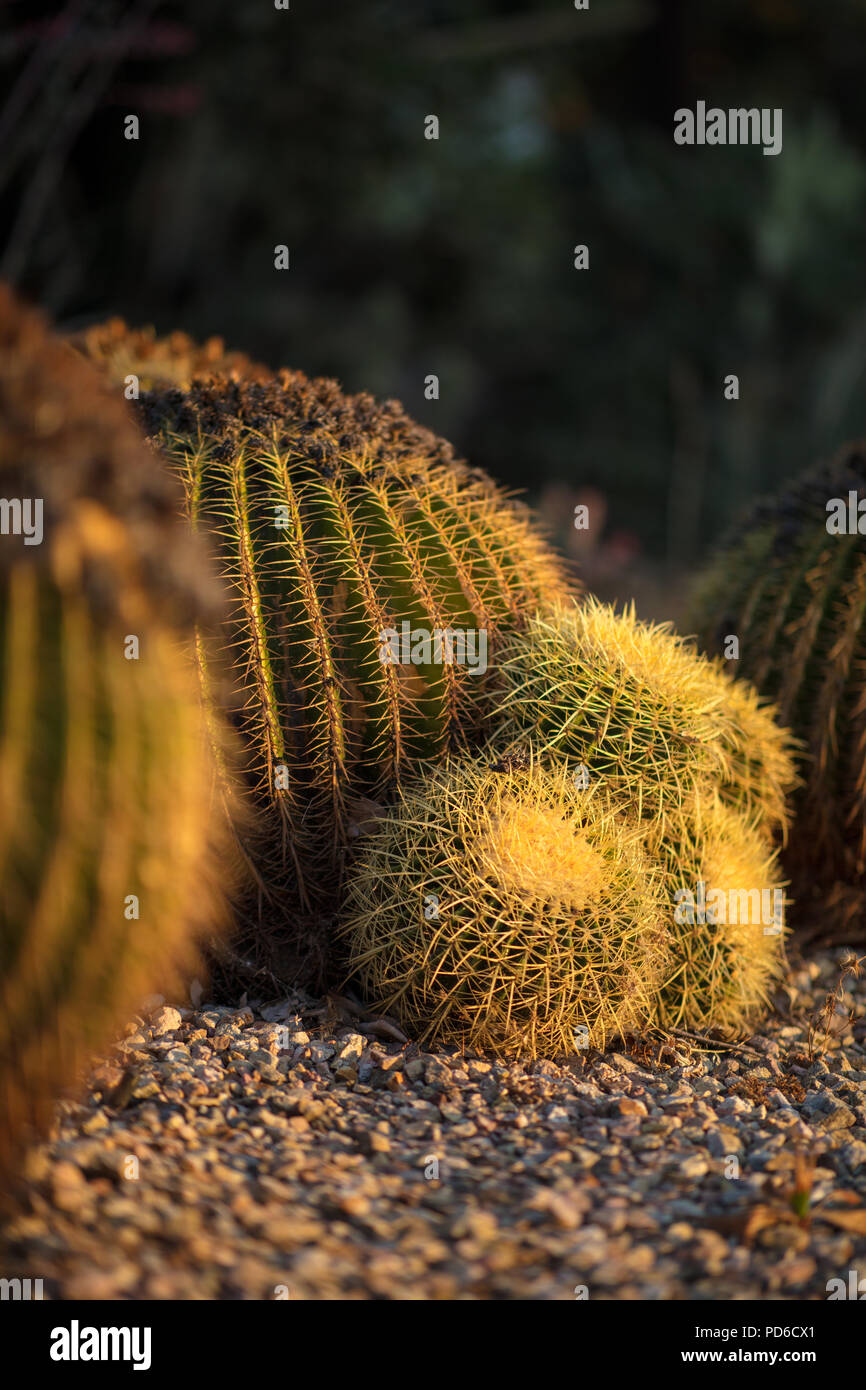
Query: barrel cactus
x=726, y=904
x=696, y=761
x=631, y=703
x=790, y=585
x=373, y=576
x=507, y=911
x=110, y=859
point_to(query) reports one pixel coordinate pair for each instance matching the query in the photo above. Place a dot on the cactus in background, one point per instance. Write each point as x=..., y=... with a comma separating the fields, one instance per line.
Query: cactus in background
x=109, y=854
x=794, y=595
x=635, y=706
x=350, y=537
x=506, y=911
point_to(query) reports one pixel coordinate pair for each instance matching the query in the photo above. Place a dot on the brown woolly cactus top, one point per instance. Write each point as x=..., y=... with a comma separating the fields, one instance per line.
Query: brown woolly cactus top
x=315, y=411
x=173, y=361
x=111, y=514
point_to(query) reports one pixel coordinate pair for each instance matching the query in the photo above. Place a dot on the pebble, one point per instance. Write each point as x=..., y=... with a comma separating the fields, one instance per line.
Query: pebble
x=165, y=1020
x=275, y=1152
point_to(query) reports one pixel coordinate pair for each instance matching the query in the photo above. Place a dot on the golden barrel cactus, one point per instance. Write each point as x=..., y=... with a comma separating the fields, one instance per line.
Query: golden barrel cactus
x=110, y=857
x=508, y=911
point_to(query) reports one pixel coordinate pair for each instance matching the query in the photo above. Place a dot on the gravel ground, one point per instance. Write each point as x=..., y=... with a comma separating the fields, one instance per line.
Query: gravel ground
x=299, y=1152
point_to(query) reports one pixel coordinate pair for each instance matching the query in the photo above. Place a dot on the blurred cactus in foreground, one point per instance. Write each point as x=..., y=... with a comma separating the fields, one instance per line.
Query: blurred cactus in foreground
x=110, y=857
x=790, y=586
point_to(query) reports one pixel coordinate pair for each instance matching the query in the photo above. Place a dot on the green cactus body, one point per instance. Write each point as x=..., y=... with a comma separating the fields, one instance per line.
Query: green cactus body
x=507, y=911
x=110, y=858
x=634, y=705
x=338, y=521
x=727, y=911
x=795, y=597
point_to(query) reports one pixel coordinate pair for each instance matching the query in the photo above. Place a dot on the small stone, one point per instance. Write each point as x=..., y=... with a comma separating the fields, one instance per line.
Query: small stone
x=680, y=1230
x=350, y=1048
x=694, y=1167
x=354, y=1204
x=436, y=1073
x=372, y=1142
x=724, y=1141
x=557, y=1115
x=567, y=1210
x=627, y=1106
x=69, y=1186
x=165, y=1020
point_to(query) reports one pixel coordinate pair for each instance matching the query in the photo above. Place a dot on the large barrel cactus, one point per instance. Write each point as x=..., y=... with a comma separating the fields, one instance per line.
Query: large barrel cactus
x=790, y=585
x=109, y=858
x=373, y=576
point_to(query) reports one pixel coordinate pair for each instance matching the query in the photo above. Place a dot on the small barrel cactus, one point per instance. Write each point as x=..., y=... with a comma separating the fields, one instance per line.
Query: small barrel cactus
x=631, y=703
x=726, y=907
x=507, y=911
x=786, y=597
x=373, y=576
x=110, y=858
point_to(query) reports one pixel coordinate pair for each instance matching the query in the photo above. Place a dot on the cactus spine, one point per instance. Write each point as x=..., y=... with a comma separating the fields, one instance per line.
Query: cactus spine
x=108, y=850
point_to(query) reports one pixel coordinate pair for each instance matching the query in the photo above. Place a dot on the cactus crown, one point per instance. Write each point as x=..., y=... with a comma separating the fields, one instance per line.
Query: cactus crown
x=175, y=361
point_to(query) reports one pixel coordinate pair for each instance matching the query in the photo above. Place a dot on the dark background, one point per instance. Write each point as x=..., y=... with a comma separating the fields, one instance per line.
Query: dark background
x=455, y=257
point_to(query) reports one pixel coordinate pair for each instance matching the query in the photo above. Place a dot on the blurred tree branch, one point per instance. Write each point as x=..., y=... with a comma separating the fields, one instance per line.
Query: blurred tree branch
x=533, y=30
